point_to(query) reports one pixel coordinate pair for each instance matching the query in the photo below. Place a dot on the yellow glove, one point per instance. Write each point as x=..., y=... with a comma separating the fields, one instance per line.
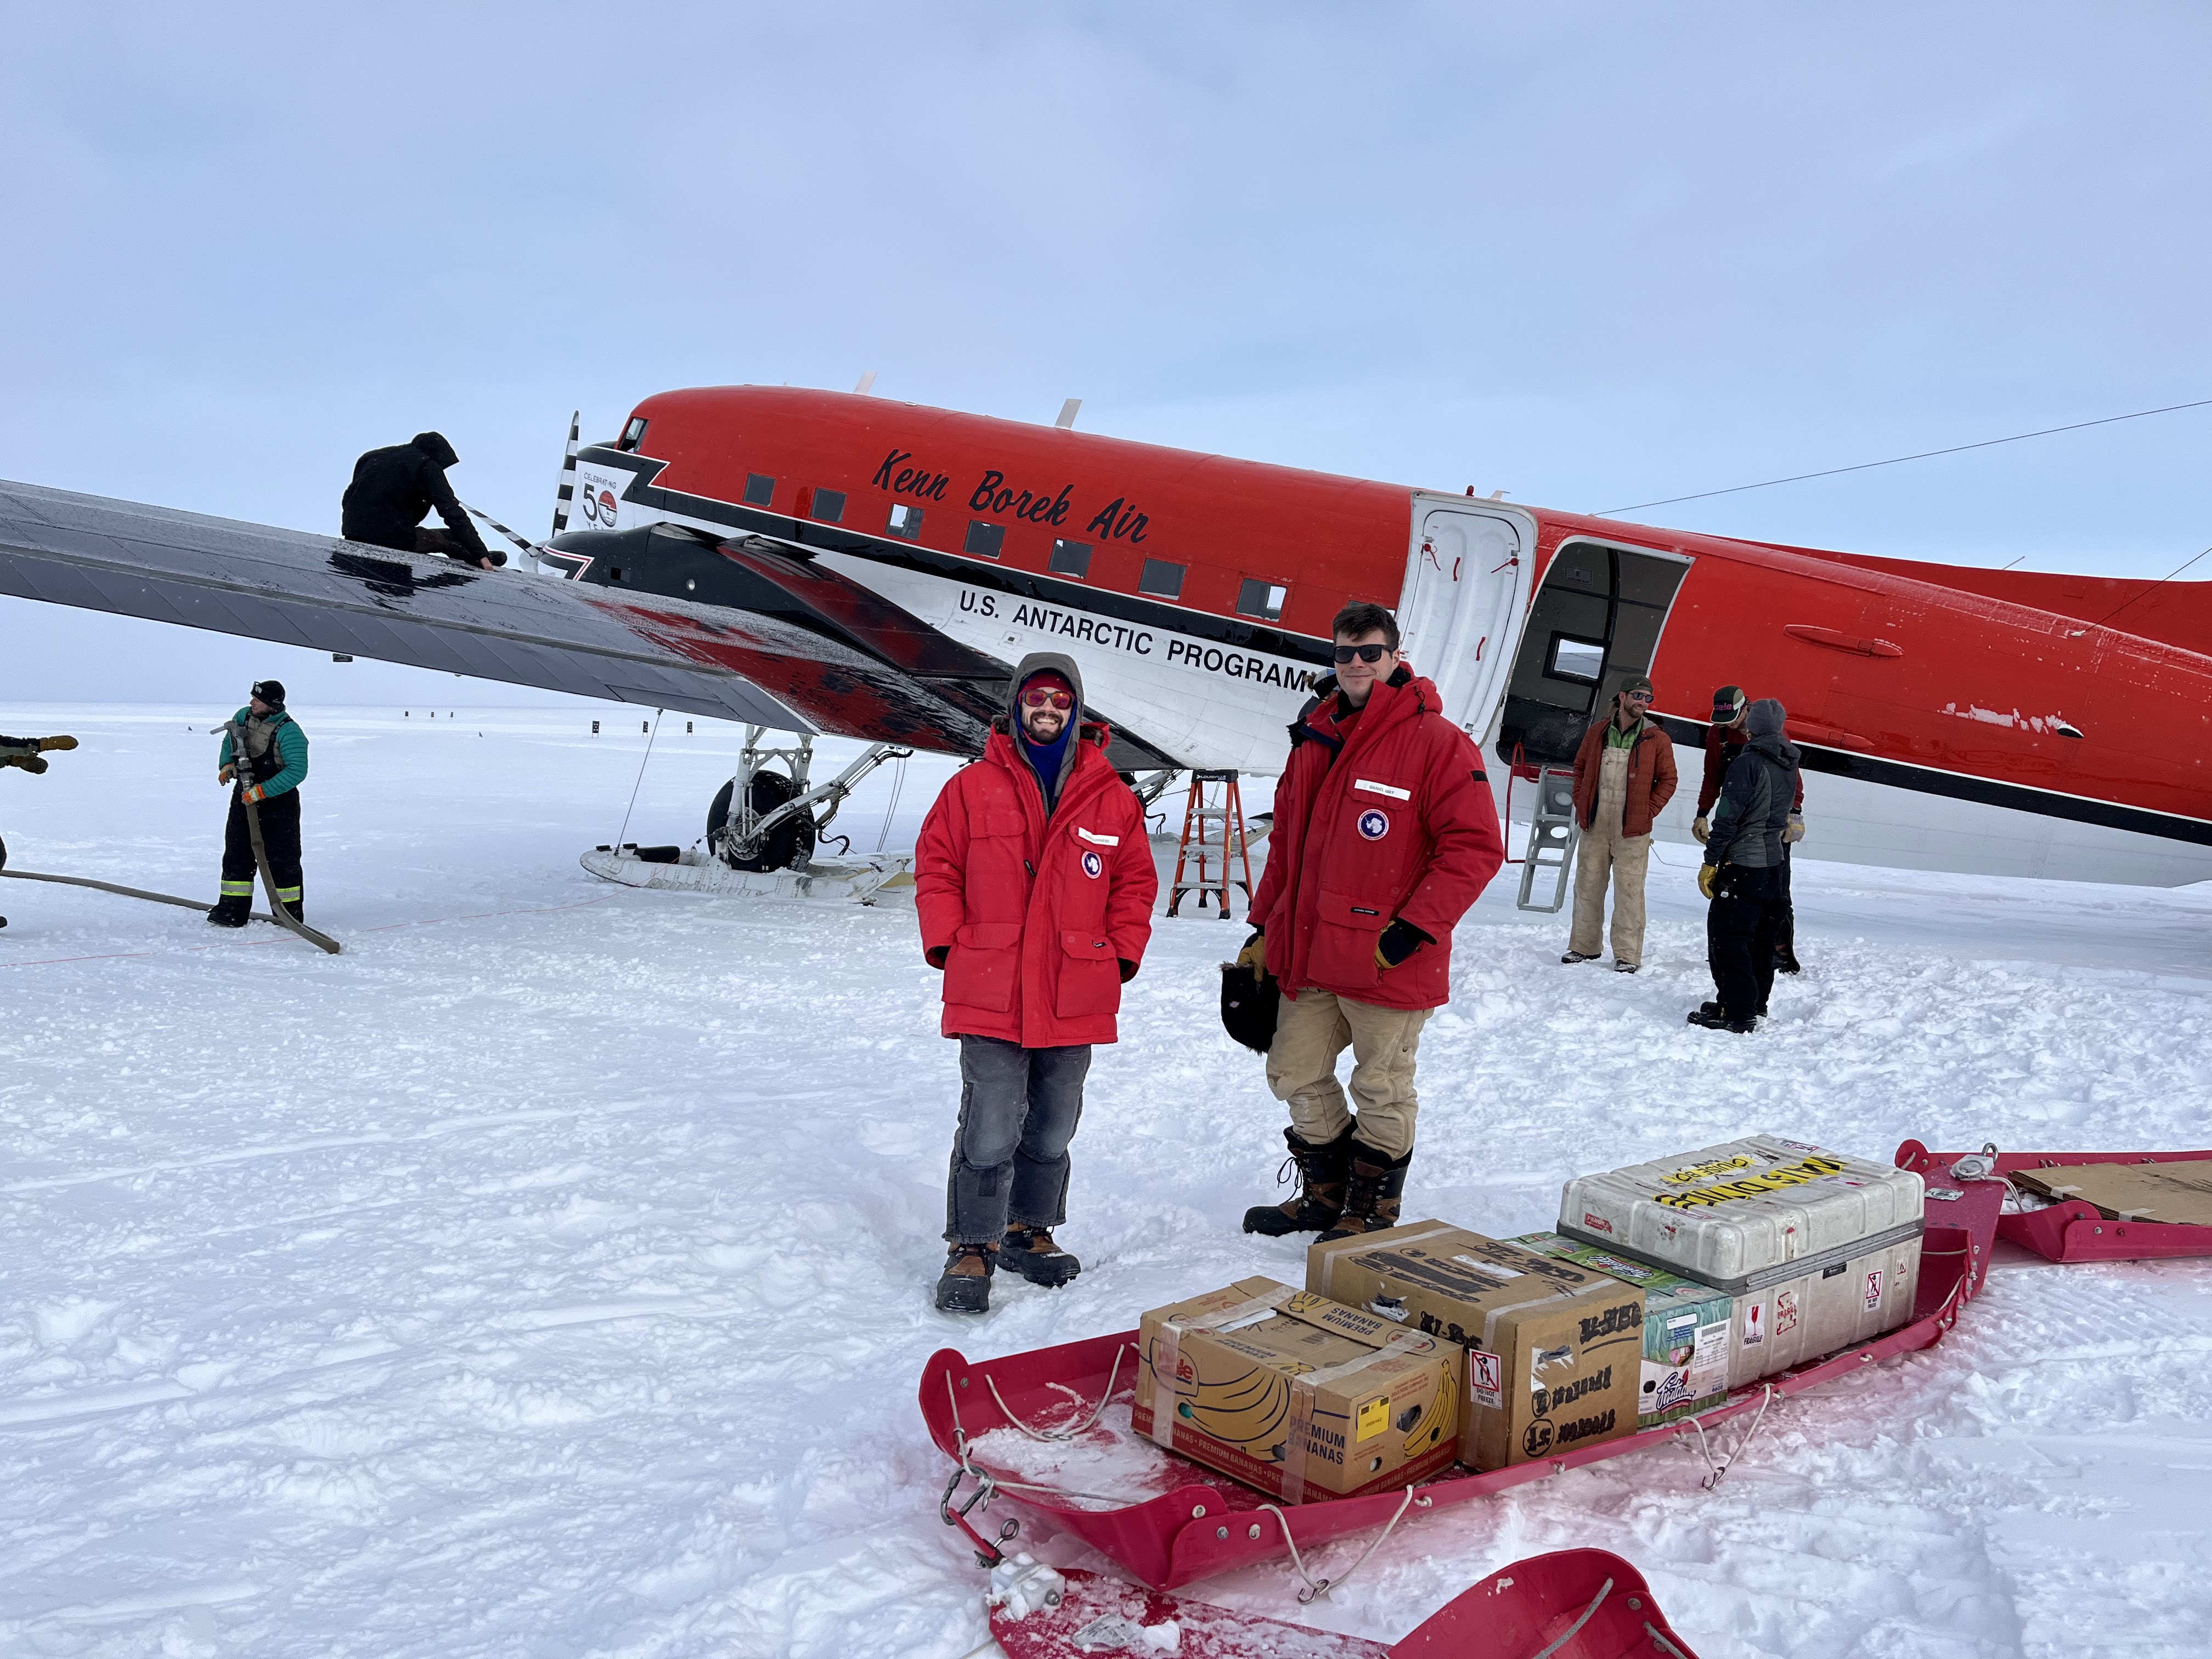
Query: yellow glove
x=1794, y=830
x=1702, y=828
x=57, y=743
x=224, y=774
x=1707, y=875
x=1255, y=954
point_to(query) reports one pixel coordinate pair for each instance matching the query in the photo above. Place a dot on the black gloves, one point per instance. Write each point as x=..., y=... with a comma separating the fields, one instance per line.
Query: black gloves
x=1128, y=970
x=1399, y=940
x=935, y=956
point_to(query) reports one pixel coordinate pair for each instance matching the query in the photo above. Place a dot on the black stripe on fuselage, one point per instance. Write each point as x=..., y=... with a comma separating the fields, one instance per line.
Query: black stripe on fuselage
x=1019, y=584
x=1982, y=792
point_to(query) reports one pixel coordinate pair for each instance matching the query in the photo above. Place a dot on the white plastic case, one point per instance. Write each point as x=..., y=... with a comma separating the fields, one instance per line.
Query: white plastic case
x=1820, y=1250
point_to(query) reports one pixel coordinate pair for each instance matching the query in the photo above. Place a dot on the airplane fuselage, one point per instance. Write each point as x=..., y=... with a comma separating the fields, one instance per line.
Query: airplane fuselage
x=1942, y=727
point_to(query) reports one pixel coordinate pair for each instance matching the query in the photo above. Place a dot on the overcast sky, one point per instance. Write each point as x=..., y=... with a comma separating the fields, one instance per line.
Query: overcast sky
x=1590, y=254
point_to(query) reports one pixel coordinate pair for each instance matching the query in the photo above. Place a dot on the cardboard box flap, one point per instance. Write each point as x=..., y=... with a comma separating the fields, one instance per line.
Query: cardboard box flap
x=2178, y=1192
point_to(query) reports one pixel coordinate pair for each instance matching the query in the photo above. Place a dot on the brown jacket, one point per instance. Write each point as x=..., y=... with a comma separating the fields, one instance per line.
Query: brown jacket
x=1651, y=778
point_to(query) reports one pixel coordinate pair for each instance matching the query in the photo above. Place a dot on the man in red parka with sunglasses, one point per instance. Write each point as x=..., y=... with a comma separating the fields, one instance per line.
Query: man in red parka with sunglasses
x=1034, y=881
x=1385, y=832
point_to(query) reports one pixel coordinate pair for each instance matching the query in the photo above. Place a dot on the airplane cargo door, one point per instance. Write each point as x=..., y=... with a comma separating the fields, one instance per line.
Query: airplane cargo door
x=1595, y=622
x=1459, y=613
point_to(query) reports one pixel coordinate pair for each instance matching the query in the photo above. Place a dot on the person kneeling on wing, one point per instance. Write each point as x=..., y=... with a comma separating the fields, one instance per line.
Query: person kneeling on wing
x=1034, y=884
x=1386, y=831
x=264, y=761
x=30, y=755
x=1742, y=870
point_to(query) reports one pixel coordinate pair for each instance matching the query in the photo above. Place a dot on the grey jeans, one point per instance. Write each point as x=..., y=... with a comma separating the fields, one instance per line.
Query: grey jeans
x=1018, y=1109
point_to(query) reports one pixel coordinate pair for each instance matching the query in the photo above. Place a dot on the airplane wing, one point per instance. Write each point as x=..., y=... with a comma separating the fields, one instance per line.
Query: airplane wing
x=328, y=594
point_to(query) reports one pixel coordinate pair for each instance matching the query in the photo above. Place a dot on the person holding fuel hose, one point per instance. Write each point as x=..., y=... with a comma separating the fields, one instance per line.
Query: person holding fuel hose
x=1386, y=831
x=1742, y=870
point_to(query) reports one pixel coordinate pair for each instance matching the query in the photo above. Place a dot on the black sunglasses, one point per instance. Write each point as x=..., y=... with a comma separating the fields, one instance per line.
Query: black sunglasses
x=1365, y=653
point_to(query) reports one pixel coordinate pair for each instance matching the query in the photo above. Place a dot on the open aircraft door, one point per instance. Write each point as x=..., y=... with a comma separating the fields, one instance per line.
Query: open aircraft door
x=1466, y=594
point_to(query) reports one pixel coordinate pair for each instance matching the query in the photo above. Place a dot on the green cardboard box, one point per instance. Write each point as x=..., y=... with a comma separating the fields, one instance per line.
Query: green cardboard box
x=1687, y=1330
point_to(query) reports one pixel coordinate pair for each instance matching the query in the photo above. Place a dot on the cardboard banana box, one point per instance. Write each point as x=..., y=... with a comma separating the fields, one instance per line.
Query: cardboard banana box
x=1553, y=1350
x=1297, y=1395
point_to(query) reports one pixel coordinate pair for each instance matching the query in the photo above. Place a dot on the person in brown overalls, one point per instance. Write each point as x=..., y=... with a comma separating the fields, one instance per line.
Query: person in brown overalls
x=1624, y=777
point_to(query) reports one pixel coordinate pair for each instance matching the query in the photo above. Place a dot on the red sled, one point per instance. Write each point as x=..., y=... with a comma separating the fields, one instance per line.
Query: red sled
x=1571, y=1604
x=2071, y=1230
x=1192, y=1523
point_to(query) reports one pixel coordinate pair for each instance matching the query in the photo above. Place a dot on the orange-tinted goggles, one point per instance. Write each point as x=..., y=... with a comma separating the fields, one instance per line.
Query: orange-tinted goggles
x=1047, y=696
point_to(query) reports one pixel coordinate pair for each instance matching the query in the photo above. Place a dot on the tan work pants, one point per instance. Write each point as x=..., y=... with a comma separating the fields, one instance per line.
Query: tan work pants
x=1311, y=1032
x=1604, y=851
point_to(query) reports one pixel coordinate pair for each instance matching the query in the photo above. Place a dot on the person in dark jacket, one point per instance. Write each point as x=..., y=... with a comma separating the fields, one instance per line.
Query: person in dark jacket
x=392, y=492
x=1624, y=777
x=1742, y=870
x=1725, y=738
x=30, y=754
x=263, y=761
x=1033, y=883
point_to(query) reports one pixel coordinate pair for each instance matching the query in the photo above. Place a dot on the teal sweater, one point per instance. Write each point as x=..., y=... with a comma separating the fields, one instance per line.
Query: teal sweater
x=291, y=743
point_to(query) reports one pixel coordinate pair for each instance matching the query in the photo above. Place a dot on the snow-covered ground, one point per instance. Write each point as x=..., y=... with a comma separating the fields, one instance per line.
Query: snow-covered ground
x=548, y=1274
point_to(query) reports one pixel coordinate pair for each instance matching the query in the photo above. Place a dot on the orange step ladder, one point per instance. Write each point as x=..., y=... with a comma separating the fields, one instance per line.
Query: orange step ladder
x=1204, y=859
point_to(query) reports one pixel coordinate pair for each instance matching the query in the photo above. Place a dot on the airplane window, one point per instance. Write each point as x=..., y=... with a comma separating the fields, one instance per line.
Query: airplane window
x=1070, y=559
x=829, y=505
x=760, y=489
x=1577, y=659
x=1261, y=599
x=1161, y=579
x=984, y=540
x=634, y=434
x=905, y=522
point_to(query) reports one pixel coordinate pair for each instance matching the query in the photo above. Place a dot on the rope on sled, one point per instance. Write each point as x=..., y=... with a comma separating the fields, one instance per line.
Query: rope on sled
x=1721, y=1468
x=988, y=1485
x=1317, y=1588
x=1568, y=1634
x=1082, y=1428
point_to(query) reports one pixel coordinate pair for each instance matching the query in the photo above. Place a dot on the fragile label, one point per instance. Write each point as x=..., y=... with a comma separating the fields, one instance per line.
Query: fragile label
x=1596, y=1223
x=1374, y=1418
x=1754, y=1324
x=1873, y=1290
x=1486, y=1379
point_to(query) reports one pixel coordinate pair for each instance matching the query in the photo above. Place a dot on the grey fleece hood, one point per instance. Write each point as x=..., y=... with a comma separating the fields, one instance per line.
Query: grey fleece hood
x=1047, y=662
x=1762, y=724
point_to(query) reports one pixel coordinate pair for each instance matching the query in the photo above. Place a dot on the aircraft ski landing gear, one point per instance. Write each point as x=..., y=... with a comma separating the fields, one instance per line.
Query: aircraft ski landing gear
x=764, y=820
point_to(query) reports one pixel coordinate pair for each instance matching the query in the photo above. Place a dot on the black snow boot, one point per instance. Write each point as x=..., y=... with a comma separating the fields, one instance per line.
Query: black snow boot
x=965, y=1285
x=1322, y=1171
x=1715, y=1018
x=1030, y=1252
x=233, y=912
x=1373, y=1196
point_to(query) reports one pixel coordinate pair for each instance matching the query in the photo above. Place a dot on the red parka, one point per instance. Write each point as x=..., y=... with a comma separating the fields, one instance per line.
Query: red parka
x=1039, y=914
x=1399, y=823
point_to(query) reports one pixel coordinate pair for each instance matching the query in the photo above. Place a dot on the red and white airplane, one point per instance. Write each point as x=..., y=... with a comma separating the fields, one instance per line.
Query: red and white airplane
x=831, y=562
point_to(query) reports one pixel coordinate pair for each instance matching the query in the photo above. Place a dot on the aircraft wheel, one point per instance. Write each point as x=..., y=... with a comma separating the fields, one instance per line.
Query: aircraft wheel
x=790, y=844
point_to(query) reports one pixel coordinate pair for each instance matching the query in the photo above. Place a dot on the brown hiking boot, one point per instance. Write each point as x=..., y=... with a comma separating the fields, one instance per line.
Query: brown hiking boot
x=1374, y=1195
x=965, y=1285
x=1030, y=1252
x=1322, y=1171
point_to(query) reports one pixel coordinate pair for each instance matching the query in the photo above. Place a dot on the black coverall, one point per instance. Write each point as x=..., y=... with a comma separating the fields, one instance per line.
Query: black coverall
x=280, y=830
x=392, y=492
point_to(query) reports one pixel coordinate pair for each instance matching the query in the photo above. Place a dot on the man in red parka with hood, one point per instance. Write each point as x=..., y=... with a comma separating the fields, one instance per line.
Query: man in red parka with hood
x=1385, y=832
x=1034, y=882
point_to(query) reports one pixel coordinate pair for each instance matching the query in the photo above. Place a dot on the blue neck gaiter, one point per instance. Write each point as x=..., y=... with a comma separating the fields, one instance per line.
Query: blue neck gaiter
x=1046, y=759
